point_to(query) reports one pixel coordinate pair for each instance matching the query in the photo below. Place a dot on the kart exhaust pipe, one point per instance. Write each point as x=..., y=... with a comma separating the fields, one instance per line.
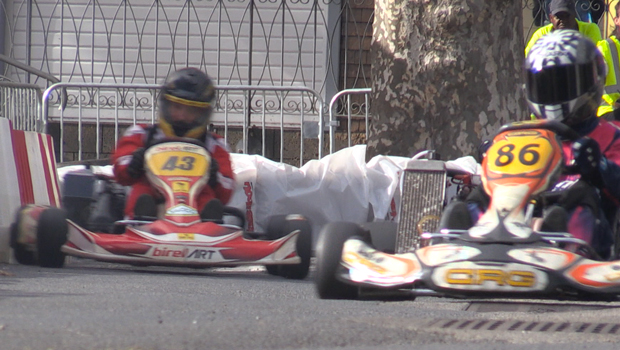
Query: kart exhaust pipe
x=422, y=189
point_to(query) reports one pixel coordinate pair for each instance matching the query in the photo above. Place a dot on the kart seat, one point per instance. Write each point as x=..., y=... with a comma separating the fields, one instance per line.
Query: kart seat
x=213, y=211
x=145, y=208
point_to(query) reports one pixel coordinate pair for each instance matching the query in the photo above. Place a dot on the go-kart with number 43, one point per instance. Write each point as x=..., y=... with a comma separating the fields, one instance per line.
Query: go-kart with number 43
x=178, y=236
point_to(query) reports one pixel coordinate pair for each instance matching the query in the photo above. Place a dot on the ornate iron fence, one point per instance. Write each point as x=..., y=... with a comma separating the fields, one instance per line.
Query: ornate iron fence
x=239, y=42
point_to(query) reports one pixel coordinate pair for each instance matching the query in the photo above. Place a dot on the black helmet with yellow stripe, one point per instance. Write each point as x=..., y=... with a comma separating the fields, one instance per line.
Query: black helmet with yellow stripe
x=191, y=90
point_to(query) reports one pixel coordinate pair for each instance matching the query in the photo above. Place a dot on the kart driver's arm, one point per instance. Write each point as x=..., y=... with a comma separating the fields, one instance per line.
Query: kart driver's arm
x=225, y=176
x=131, y=141
x=609, y=168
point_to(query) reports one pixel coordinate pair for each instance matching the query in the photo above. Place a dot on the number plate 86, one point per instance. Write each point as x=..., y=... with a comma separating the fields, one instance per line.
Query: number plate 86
x=523, y=153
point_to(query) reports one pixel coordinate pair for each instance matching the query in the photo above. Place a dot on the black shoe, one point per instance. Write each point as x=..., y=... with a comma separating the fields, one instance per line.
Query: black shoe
x=146, y=208
x=555, y=220
x=456, y=216
x=213, y=211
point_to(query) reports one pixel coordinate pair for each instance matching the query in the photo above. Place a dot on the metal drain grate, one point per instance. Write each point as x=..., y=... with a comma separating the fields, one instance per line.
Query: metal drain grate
x=495, y=325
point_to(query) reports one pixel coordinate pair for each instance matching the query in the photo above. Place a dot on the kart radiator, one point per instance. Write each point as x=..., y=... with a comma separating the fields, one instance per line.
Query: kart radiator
x=422, y=190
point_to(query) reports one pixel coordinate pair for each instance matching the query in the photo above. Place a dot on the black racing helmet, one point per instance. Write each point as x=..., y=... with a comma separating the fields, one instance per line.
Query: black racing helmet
x=564, y=77
x=190, y=87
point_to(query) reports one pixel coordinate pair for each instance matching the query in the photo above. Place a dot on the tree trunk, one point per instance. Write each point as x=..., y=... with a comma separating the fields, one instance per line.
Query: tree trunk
x=446, y=74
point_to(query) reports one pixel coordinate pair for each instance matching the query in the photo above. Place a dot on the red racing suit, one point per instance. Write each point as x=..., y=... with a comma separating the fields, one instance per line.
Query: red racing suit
x=138, y=136
x=607, y=135
x=590, y=213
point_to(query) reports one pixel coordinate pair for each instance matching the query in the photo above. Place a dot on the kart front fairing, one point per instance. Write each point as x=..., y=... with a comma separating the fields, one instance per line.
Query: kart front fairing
x=472, y=269
x=200, y=244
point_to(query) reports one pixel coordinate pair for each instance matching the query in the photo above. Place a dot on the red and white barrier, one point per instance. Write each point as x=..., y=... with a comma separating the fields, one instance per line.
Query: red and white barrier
x=27, y=171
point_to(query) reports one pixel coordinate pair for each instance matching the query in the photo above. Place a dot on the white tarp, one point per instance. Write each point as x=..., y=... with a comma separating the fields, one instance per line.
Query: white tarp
x=338, y=187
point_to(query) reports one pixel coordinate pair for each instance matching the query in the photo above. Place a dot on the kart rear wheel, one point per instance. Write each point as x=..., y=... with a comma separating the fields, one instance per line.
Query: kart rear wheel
x=51, y=235
x=20, y=252
x=280, y=226
x=615, y=230
x=328, y=255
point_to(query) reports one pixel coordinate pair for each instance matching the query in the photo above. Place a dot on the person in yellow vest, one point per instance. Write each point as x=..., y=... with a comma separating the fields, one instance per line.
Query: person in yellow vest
x=610, y=48
x=562, y=15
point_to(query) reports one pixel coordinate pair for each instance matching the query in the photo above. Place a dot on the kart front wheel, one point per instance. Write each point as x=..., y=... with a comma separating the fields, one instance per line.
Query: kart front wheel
x=51, y=236
x=328, y=255
x=280, y=226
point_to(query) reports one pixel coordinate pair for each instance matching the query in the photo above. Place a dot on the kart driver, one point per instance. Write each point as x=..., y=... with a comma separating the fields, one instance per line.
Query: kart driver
x=184, y=111
x=565, y=76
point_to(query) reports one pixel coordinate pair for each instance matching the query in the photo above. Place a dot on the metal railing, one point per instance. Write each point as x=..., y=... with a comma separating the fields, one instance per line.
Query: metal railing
x=283, y=108
x=349, y=109
x=21, y=103
x=309, y=104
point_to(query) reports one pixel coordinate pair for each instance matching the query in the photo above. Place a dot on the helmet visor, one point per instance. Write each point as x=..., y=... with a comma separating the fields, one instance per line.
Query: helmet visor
x=559, y=84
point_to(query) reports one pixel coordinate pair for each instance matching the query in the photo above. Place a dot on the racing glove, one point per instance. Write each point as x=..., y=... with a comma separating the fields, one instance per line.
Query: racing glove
x=213, y=170
x=587, y=156
x=135, y=169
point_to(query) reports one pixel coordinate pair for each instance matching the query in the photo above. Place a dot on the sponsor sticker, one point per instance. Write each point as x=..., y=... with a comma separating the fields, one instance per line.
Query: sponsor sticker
x=180, y=186
x=182, y=210
x=597, y=274
x=438, y=254
x=511, y=277
x=185, y=254
x=550, y=258
x=185, y=236
x=374, y=267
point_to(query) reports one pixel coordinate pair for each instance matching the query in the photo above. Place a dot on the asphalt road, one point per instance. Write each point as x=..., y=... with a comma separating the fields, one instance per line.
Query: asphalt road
x=90, y=305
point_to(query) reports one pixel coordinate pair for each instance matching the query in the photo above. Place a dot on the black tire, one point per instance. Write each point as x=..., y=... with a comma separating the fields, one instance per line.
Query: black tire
x=21, y=254
x=456, y=216
x=615, y=229
x=328, y=255
x=383, y=235
x=51, y=235
x=273, y=270
x=236, y=213
x=275, y=230
x=280, y=226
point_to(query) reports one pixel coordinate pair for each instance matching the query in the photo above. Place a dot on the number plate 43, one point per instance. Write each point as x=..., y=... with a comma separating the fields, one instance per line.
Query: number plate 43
x=177, y=159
